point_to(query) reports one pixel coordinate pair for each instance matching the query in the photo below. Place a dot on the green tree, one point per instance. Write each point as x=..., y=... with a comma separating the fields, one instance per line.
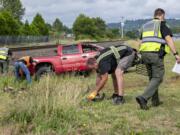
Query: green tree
x=49, y=26
x=15, y=7
x=100, y=27
x=29, y=30
x=109, y=34
x=26, y=29
x=8, y=25
x=3, y=25
x=57, y=25
x=112, y=33
x=34, y=30
x=115, y=32
x=86, y=27
x=40, y=24
x=67, y=30
x=132, y=34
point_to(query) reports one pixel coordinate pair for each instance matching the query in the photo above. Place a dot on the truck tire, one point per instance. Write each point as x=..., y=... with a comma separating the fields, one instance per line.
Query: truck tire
x=42, y=71
x=83, y=73
x=86, y=73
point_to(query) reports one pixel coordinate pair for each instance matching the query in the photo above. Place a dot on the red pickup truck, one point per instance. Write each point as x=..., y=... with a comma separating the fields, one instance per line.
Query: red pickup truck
x=69, y=58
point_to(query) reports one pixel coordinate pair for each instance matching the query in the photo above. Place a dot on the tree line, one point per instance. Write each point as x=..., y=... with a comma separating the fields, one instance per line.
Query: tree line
x=12, y=12
x=95, y=28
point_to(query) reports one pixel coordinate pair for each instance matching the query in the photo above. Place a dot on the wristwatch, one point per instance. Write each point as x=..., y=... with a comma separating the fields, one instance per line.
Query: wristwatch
x=176, y=53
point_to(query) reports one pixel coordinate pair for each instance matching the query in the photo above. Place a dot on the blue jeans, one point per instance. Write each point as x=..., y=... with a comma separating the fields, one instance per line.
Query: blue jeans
x=23, y=67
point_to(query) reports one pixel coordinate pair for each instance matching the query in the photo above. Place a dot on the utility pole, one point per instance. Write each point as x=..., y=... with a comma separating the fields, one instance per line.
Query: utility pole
x=122, y=27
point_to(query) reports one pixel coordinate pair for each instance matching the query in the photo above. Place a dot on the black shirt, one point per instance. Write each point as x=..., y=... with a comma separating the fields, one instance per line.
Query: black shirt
x=108, y=64
x=165, y=30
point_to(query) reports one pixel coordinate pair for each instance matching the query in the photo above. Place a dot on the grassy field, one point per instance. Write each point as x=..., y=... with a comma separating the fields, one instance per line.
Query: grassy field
x=56, y=106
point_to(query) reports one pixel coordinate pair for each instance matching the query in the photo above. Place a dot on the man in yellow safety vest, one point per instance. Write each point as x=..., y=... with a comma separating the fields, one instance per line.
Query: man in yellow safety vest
x=114, y=60
x=5, y=54
x=156, y=42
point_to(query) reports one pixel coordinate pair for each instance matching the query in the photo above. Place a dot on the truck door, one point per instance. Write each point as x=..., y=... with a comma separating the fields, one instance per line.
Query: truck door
x=71, y=58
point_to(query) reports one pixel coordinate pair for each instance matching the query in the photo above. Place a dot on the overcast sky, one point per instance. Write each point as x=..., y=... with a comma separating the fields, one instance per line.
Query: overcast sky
x=109, y=10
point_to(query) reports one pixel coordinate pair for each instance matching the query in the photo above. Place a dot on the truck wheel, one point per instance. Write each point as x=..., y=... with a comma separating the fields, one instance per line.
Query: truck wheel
x=83, y=73
x=42, y=71
x=86, y=73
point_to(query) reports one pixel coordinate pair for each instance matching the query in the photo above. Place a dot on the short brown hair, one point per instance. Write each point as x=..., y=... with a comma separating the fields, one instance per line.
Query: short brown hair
x=159, y=12
x=91, y=61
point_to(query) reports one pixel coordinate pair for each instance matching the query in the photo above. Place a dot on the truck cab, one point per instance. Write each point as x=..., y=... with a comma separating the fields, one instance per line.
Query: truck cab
x=69, y=58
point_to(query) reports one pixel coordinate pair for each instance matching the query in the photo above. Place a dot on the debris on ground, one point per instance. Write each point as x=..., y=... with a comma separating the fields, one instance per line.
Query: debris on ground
x=8, y=89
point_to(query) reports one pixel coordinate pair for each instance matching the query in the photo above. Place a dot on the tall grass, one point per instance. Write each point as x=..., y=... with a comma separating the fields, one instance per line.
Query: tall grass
x=55, y=105
x=51, y=104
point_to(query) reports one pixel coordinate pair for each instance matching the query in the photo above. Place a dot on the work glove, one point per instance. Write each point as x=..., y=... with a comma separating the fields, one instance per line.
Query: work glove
x=92, y=96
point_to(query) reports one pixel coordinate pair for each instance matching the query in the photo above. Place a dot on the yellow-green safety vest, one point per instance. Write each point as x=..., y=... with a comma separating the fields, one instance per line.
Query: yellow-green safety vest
x=3, y=53
x=152, y=37
x=113, y=50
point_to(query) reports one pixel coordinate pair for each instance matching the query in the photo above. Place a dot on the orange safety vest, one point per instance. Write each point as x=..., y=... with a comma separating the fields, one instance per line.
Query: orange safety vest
x=27, y=60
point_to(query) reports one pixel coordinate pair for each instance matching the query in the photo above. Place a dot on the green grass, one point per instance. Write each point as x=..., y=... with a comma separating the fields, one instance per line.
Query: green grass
x=57, y=105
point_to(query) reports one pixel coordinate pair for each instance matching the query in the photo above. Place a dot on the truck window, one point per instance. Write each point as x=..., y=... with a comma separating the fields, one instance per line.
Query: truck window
x=70, y=49
x=88, y=48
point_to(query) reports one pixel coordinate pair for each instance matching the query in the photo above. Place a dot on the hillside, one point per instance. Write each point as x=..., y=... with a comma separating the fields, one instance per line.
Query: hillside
x=136, y=24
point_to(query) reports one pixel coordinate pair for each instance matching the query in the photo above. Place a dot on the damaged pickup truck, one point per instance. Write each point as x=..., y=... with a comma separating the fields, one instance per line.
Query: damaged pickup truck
x=69, y=58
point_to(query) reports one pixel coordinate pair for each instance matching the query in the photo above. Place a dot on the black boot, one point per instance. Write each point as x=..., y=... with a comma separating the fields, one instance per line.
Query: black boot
x=156, y=104
x=155, y=99
x=142, y=103
x=118, y=100
x=114, y=95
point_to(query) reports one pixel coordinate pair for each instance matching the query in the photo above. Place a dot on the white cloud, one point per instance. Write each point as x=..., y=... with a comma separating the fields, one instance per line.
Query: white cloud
x=109, y=10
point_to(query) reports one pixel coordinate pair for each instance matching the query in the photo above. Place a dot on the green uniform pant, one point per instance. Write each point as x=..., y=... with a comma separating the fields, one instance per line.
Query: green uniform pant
x=4, y=66
x=156, y=74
